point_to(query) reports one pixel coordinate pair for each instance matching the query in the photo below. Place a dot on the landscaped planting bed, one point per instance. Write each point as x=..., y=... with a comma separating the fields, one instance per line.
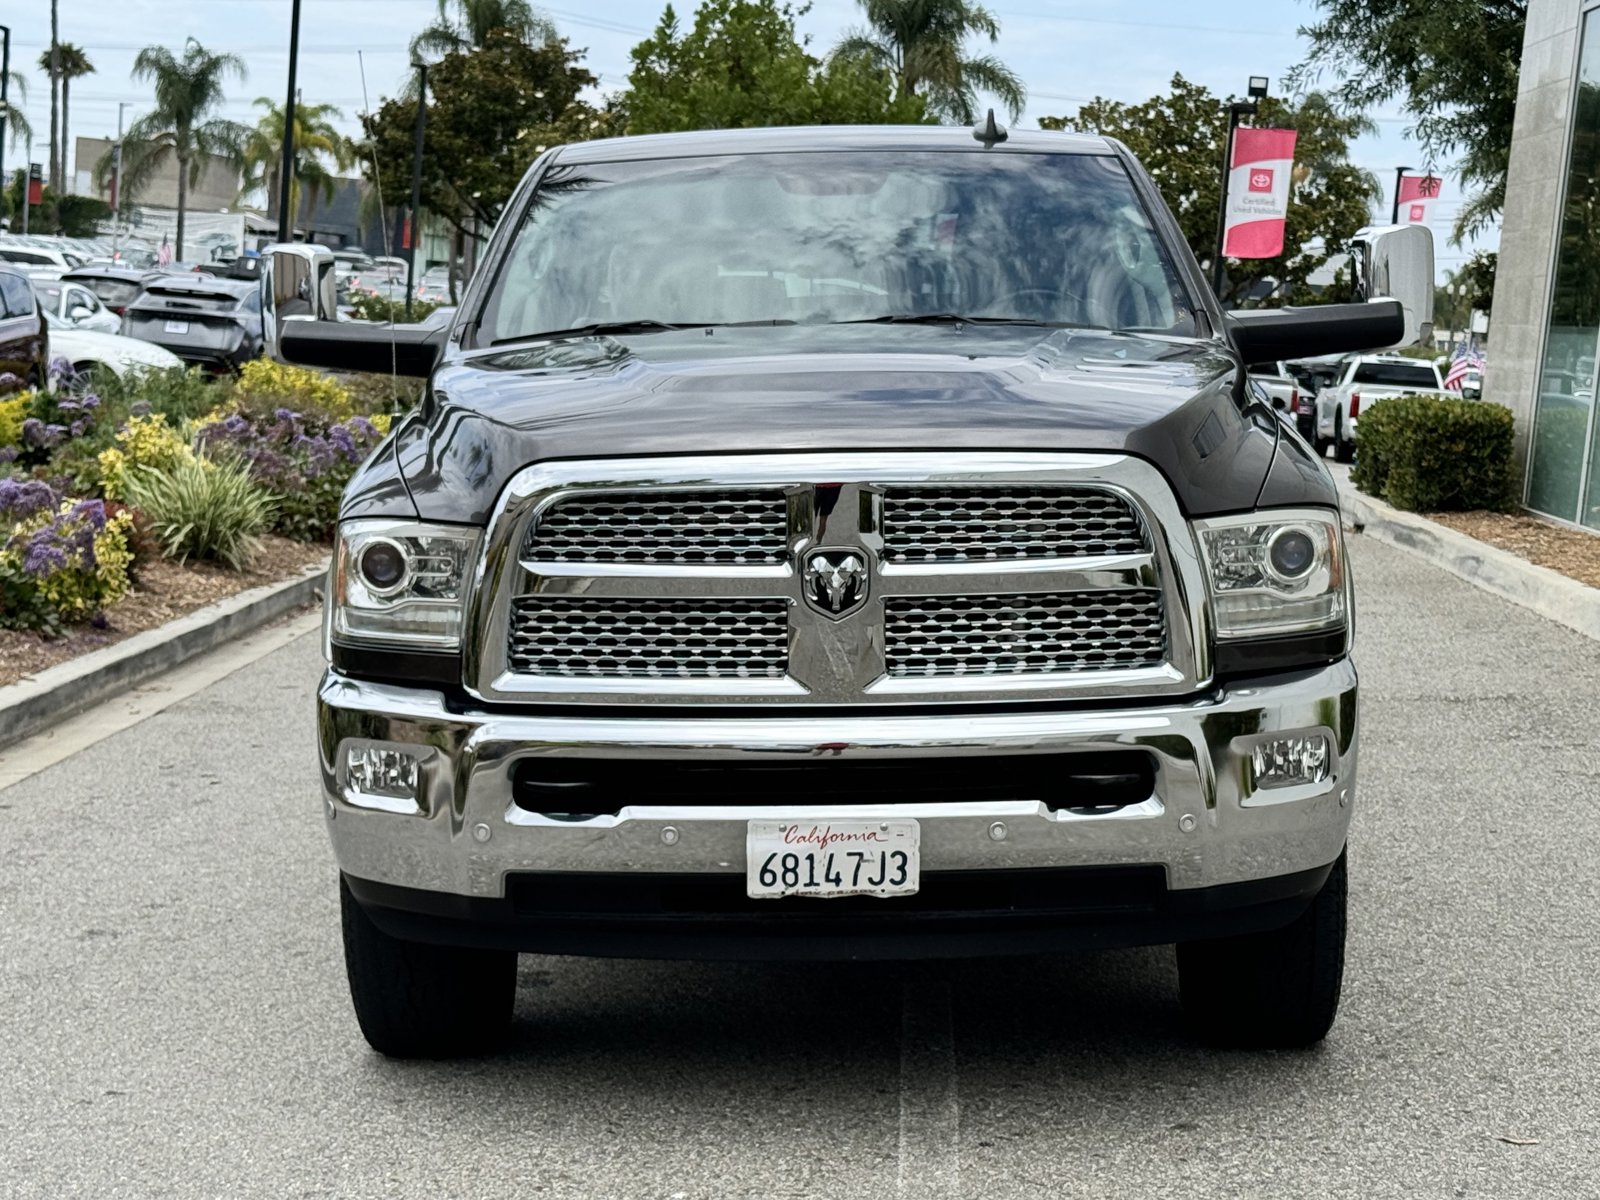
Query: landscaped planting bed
x=127, y=503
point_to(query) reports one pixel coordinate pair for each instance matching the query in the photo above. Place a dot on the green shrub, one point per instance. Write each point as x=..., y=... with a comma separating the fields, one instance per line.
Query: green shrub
x=369, y=306
x=1425, y=454
x=178, y=393
x=374, y=394
x=203, y=510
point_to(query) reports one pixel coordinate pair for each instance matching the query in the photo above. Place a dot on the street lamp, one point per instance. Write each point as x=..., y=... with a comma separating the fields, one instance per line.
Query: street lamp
x=116, y=185
x=1257, y=91
x=5, y=111
x=416, y=185
x=285, y=217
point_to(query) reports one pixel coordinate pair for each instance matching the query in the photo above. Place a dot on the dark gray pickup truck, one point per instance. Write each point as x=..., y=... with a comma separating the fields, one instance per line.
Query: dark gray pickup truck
x=843, y=543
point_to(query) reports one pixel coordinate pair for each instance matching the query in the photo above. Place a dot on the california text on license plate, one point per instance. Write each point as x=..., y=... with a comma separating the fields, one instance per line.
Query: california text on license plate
x=177, y=327
x=832, y=858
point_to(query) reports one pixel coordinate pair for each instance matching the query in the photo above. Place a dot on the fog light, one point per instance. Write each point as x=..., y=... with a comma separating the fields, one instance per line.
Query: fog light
x=381, y=771
x=1286, y=761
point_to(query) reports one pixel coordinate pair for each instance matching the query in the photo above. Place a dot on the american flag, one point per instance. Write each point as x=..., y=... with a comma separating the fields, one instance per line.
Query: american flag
x=1467, y=358
x=164, y=255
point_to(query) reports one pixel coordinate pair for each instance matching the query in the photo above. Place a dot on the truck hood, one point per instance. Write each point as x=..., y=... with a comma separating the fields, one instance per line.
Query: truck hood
x=1167, y=400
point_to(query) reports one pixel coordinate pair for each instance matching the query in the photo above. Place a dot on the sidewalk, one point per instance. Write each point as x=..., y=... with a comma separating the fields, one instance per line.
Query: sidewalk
x=1546, y=592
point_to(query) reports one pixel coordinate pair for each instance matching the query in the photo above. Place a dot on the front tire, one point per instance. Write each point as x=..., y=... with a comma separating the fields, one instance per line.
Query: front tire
x=1273, y=990
x=417, y=1000
x=1344, y=448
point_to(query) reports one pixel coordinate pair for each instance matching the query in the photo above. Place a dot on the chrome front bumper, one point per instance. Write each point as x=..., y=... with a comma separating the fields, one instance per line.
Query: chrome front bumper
x=1205, y=824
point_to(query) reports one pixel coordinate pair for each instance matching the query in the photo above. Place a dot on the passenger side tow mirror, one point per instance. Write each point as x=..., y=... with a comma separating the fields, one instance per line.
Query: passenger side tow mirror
x=78, y=313
x=1395, y=262
x=297, y=284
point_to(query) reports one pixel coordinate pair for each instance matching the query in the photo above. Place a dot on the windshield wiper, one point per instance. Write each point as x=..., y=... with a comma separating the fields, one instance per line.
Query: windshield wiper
x=598, y=327
x=625, y=327
x=961, y=319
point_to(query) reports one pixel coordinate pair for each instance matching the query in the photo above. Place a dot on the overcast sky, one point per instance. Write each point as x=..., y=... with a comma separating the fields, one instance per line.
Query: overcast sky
x=1067, y=51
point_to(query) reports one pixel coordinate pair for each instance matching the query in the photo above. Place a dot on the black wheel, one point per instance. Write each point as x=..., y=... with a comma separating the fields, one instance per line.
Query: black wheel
x=415, y=1000
x=1344, y=447
x=1273, y=990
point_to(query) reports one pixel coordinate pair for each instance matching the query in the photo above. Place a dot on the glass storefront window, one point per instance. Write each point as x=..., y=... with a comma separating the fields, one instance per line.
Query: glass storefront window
x=1563, y=427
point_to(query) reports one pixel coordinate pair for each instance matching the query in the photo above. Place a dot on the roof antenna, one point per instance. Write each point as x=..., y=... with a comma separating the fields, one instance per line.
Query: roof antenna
x=990, y=131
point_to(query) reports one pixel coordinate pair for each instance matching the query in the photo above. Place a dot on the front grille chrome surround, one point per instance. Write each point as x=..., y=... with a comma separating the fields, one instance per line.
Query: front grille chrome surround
x=1097, y=593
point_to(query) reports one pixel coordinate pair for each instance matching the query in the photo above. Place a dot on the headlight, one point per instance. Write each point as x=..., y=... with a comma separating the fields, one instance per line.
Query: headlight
x=402, y=582
x=1275, y=572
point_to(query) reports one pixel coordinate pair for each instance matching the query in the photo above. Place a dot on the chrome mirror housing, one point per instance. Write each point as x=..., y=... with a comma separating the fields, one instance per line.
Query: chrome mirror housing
x=1395, y=262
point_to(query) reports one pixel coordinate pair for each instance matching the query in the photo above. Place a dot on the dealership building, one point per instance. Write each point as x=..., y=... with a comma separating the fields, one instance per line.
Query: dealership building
x=1544, y=344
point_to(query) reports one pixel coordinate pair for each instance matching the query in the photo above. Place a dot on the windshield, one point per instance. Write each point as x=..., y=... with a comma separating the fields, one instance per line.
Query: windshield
x=814, y=238
x=1396, y=375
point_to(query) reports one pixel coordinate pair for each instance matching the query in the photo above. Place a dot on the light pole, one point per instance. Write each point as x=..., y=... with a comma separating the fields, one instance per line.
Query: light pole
x=416, y=185
x=1257, y=91
x=1455, y=291
x=1394, y=213
x=116, y=186
x=285, y=217
x=27, y=186
x=5, y=76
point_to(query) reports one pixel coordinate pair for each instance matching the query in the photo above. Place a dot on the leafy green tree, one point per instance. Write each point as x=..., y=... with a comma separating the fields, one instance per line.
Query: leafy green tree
x=1476, y=276
x=1451, y=64
x=1179, y=138
x=464, y=25
x=180, y=127
x=922, y=43
x=316, y=142
x=71, y=63
x=742, y=64
x=491, y=112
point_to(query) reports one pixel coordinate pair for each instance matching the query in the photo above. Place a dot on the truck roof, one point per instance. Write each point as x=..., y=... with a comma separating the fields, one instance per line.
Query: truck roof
x=810, y=139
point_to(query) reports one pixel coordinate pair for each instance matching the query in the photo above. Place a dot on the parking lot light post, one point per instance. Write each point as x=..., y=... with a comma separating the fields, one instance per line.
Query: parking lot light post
x=286, y=189
x=1394, y=210
x=416, y=185
x=1257, y=90
x=5, y=75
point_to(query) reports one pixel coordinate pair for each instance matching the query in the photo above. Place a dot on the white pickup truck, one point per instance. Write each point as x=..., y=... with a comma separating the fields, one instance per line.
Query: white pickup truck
x=1364, y=380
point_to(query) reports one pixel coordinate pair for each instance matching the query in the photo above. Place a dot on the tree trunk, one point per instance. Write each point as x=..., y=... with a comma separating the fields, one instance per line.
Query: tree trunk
x=65, y=82
x=55, y=98
x=183, y=198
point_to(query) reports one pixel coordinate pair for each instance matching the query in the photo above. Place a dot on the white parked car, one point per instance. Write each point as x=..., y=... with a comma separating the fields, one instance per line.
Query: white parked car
x=74, y=305
x=1366, y=379
x=88, y=348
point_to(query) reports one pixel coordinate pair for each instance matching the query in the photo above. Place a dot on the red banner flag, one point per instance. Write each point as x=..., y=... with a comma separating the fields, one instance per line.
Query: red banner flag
x=1258, y=192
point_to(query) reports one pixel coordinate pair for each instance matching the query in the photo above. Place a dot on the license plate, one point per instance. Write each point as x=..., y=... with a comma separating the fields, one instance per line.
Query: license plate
x=177, y=327
x=832, y=858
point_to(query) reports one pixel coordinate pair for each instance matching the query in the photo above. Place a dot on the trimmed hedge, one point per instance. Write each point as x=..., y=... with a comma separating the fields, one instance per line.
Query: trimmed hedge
x=1424, y=454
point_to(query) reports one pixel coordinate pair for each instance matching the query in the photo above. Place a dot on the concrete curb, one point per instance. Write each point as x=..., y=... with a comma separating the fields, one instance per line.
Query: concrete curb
x=58, y=692
x=1546, y=592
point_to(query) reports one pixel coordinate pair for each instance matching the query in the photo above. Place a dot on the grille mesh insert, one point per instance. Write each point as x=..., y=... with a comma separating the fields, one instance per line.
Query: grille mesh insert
x=688, y=528
x=625, y=638
x=1046, y=634
x=967, y=524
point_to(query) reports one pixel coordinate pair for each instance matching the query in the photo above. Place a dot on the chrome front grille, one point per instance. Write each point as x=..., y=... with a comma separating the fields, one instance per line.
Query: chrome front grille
x=974, y=577
x=683, y=528
x=572, y=637
x=967, y=524
x=1029, y=633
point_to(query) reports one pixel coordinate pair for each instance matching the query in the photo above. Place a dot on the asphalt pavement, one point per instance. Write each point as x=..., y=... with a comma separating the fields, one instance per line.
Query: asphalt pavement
x=174, y=1020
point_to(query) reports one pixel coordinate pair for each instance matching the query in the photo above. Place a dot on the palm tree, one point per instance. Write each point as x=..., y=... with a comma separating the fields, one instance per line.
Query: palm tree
x=18, y=131
x=52, y=68
x=71, y=63
x=180, y=127
x=922, y=43
x=314, y=138
x=466, y=25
